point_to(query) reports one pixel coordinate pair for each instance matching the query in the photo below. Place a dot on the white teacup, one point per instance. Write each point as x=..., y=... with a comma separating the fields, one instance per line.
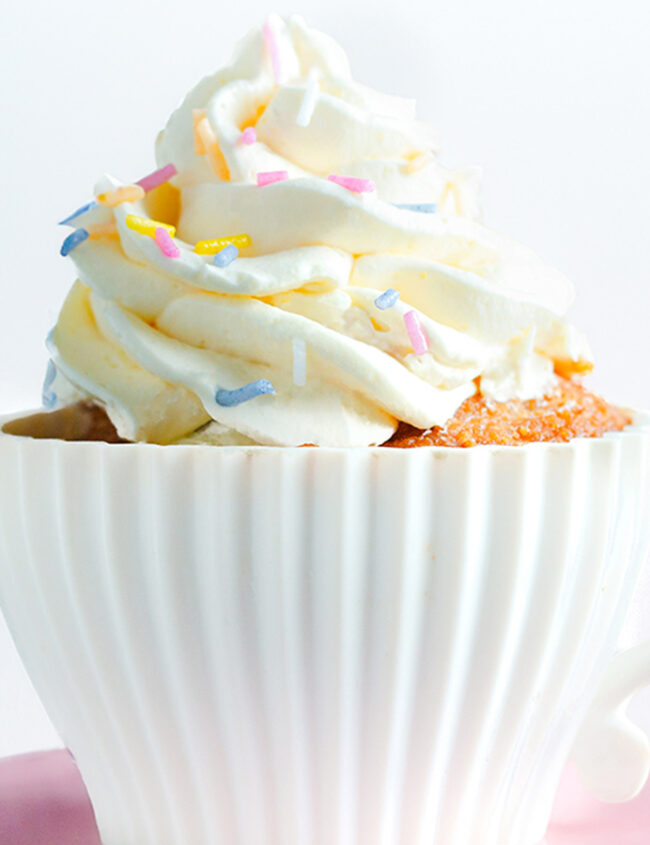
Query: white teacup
x=265, y=646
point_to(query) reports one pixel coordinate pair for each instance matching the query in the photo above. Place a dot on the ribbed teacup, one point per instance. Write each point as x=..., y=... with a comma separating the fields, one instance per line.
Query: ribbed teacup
x=266, y=646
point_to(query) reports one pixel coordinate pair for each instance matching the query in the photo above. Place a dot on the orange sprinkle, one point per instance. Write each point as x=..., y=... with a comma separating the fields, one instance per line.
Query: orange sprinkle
x=126, y=193
x=102, y=230
x=567, y=368
x=197, y=116
x=208, y=140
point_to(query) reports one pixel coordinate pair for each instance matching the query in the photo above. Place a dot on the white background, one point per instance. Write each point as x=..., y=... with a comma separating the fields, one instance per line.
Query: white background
x=550, y=96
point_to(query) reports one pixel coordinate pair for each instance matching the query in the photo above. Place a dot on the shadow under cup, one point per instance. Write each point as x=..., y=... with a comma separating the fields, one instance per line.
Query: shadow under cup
x=287, y=646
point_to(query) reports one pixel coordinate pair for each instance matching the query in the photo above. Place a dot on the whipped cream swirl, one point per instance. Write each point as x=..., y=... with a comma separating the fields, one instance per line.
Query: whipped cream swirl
x=155, y=337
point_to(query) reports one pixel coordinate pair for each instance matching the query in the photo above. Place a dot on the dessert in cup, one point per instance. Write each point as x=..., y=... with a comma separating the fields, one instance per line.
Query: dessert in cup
x=396, y=635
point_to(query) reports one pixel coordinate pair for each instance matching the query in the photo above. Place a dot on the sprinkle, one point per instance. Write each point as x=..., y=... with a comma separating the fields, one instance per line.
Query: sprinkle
x=166, y=244
x=268, y=177
x=49, y=400
x=126, y=193
x=145, y=226
x=299, y=362
x=274, y=52
x=423, y=207
x=73, y=240
x=207, y=141
x=217, y=244
x=226, y=256
x=157, y=178
x=306, y=110
x=359, y=186
x=419, y=162
x=249, y=135
x=197, y=116
x=387, y=299
x=228, y=398
x=419, y=340
x=102, y=230
x=84, y=208
x=50, y=375
x=49, y=396
x=529, y=341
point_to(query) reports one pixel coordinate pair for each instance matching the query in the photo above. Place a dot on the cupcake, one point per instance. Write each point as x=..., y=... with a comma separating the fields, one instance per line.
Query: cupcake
x=250, y=643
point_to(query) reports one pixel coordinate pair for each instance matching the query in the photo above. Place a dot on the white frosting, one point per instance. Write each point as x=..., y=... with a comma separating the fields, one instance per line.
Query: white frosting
x=153, y=338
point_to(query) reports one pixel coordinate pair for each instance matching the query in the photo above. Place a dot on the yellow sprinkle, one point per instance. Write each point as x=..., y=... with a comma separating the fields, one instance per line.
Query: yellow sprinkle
x=380, y=327
x=197, y=116
x=145, y=226
x=102, y=230
x=214, y=246
x=450, y=199
x=418, y=162
x=127, y=193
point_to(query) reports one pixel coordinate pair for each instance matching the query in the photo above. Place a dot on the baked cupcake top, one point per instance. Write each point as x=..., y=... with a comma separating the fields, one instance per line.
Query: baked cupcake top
x=300, y=269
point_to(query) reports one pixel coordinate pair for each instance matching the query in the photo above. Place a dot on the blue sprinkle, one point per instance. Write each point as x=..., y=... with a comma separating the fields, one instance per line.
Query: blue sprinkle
x=228, y=398
x=73, y=240
x=387, y=299
x=226, y=256
x=50, y=375
x=50, y=400
x=422, y=207
x=49, y=396
x=82, y=210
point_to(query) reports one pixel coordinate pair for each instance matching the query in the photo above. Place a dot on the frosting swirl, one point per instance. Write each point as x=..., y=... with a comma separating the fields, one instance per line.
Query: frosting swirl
x=154, y=336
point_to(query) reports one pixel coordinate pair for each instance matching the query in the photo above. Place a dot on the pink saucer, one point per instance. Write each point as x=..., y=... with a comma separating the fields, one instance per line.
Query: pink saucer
x=578, y=819
x=43, y=802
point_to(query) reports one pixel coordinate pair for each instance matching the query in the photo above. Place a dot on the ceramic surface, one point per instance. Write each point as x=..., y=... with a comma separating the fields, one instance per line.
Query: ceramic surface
x=267, y=646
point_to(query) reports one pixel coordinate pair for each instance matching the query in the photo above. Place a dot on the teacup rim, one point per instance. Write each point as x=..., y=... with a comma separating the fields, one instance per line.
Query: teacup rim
x=639, y=427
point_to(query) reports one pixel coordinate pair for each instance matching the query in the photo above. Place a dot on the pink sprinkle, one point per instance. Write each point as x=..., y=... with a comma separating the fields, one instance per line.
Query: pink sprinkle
x=359, y=186
x=274, y=52
x=419, y=340
x=249, y=135
x=157, y=178
x=268, y=177
x=166, y=244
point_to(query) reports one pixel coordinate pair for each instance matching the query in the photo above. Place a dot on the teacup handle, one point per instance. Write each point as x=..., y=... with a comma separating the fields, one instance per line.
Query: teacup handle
x=611, y=752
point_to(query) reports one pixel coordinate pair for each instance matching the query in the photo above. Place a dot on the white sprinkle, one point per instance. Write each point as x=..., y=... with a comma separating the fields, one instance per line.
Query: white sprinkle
x=299, y=362
x=306, y=110
x=573, y=348
x=529, y=344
